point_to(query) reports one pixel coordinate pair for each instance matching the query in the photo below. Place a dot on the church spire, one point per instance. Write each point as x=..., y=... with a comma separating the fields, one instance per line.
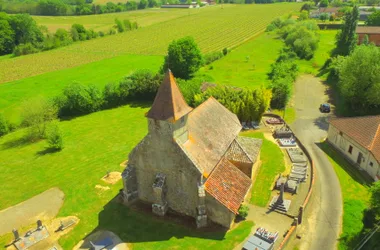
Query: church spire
x=169, y=102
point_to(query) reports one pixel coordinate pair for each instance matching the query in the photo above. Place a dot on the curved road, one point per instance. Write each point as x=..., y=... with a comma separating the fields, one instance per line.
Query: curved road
x=324, y=214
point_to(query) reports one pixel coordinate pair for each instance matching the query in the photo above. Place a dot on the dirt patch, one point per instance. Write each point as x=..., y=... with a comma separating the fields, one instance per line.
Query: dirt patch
x=124, y=163
x=44, y=207
x=112, y=177
x=54, y=234
x=102, y=188
x=100, y=235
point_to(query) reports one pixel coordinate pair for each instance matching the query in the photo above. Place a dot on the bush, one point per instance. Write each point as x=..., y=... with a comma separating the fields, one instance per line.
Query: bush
x=213, y=56
x=112, y=95
x=78, y=32
x=119, y=25
x=25, y=49
x=140, y=85
x=4, y=129
x=225, y=51
x=303, y=41
x=281, y=92
x=192, y=87
x=243, y=211
x=184, y=58
x=54, y=137
x=78, y=99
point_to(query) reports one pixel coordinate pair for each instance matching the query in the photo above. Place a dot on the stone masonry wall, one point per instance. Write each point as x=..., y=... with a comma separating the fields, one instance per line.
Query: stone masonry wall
x=218, y=213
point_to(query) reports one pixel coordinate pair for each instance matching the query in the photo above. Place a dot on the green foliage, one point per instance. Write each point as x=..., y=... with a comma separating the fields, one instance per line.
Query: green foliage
x=225, y=51
x=307, y=6
x=78, y=32
x=248, y=105
x=375, y=197
x=243, y=211
x=4, y=129
x=119, y=25
x=359, y=79
x=323, y=3
x=323, y=17
x=346, y=39
x=24, y=49
x=212, y=56
x=63, y=37
x=372, y=2
x=7, y=37
x=36, y=114
x=54, y=137
x=304, y=15
x=373, y=19
x=184, y=58
x=191, y=88
x=25, y=29
x=78, y=99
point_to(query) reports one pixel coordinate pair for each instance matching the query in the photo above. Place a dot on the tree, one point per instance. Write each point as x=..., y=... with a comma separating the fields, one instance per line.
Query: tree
x=36, y=114
x=323, y=17
x=304, y=15
x=346, y=39
x=184, y=58
x=63, y=37
x=303, y=42
x=375, y=197
x=7, y=38
x=78, y=32
x=359, y=79
x=25, y=29
x=373, y=19
x=142, y=4
x=4, y=129
x=119, y=25
x=54, y=137
x=324, y=3
x=243, y=211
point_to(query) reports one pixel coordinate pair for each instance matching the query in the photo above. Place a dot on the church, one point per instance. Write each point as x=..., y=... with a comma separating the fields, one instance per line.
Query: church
x=192, y=161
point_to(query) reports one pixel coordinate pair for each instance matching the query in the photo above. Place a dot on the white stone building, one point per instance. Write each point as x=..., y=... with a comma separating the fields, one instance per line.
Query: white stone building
x=358, y=139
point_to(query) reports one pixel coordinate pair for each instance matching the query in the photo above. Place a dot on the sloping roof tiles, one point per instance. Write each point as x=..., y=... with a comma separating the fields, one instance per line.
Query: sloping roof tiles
x=212, y=128
x=228, y=185
x=169, y=102
x=365, y=130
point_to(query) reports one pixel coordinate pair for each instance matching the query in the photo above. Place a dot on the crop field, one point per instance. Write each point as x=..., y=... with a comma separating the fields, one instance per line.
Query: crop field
x=105, y=21
x=213, y=29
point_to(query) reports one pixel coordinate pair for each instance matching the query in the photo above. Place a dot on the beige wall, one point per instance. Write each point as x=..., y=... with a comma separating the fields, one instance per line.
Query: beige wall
x=218, y=213
x=343, y=143
x=159, y=153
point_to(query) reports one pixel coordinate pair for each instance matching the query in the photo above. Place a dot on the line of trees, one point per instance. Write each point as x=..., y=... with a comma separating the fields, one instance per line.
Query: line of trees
x=69, y=7
x=20, y=34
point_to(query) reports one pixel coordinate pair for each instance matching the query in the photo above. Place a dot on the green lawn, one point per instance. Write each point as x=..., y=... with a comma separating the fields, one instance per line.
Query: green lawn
x=50, y=84
x=95, y=144
x=248, y=64
x=290, y=114
x=355, y=194
x=272, y=163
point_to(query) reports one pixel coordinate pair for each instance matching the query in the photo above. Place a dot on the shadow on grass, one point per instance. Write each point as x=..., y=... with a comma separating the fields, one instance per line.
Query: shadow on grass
x=357, y=175
x=47, y=151
x=136, y=224
x=18, y=142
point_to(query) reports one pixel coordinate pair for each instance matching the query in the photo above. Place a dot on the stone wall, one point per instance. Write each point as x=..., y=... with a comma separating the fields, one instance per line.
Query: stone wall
x=218, y=213
x=159, y=153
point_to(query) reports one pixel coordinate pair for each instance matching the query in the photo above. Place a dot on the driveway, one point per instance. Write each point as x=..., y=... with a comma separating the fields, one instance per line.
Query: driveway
x=324, y=213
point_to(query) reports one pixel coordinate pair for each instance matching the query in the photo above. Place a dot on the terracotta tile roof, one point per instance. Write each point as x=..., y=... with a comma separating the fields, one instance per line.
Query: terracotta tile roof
x=228, y=185
x=365, y=130
x=212, y=128
x=368, y=29
x=169, y=102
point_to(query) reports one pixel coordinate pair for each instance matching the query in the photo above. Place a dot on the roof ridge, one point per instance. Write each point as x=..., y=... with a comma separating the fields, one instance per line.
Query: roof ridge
x=374, y=138
x=242, y=148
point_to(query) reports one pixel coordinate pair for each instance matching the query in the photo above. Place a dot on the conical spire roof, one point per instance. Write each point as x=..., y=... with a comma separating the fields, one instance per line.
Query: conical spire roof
x=169, y=102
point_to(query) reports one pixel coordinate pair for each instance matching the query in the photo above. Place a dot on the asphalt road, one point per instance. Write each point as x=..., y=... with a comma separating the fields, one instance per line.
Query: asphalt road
x=324, y=214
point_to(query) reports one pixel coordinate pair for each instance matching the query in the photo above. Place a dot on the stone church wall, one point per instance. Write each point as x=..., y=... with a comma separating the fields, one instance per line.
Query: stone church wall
x=218, y=213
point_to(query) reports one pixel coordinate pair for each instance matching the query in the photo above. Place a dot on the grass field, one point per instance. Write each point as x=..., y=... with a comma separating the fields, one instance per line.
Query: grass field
x=355, y=196
x=213, y=29
x=272, y=163
x=50, y=84
x=105, y=21
x=95, y=144
x=248, y=64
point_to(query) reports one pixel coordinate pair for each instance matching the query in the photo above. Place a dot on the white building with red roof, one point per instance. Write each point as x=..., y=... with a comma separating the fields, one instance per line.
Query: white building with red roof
x=358, y=139
x=192, y=161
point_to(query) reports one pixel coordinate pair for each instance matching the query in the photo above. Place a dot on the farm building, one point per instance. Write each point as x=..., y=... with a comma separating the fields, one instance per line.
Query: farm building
x=180, y=6
x=329, y=11
x=373, y=33
x=358, y=139
x=192, y=161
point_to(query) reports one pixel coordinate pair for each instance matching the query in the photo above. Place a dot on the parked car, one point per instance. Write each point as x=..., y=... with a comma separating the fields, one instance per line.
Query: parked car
x=324, y=108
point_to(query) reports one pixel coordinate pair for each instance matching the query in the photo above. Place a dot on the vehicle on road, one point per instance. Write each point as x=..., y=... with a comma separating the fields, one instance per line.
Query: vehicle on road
x=325, y=108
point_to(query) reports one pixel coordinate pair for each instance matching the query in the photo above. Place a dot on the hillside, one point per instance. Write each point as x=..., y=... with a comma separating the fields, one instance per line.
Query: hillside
x=213, y=29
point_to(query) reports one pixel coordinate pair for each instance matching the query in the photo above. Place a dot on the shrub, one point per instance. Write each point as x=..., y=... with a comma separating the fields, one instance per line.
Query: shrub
x=323, y=17
x=184, y=58
x=4, y=129
x=119, y=25
x=25, y=49
x=303, y=41
x=112, y=95
x=243, y=211
x=213, y=56
x=54, y=137
x=79, y=99
x=192, y=87
x=281, y=92
x=225, y=51
x=36, y=114
x=101, y=33
x=78, y=32
x=112, y=31
x=140, y=85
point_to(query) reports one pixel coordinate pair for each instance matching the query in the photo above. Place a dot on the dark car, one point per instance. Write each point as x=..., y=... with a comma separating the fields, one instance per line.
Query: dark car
x=324, y=108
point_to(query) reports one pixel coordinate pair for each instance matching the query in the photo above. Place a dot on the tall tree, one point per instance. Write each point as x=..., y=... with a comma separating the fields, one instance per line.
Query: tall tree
x=373, y=19
x=184, y=58
x=7, y=38
x=26, y=29
x=346, y=39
